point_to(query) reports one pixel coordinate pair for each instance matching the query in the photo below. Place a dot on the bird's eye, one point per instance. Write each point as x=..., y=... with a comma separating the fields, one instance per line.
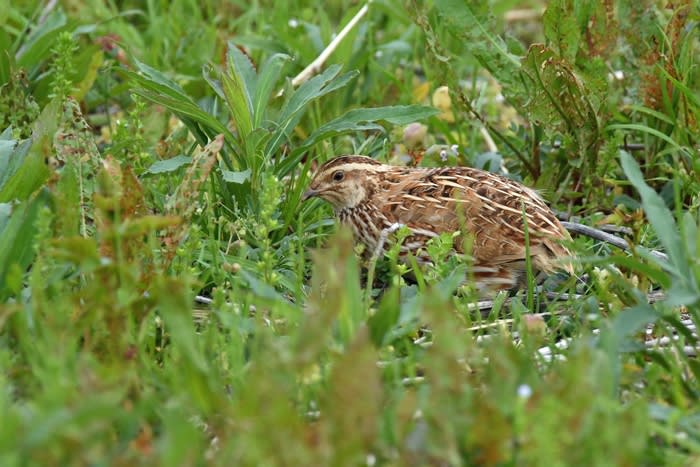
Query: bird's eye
x=338, y=175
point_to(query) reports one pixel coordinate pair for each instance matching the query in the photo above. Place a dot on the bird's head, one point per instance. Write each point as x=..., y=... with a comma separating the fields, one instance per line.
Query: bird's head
x=345, y=181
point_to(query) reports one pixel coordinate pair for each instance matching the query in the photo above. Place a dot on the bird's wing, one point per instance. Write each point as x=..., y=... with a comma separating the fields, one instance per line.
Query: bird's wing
x=487, y=208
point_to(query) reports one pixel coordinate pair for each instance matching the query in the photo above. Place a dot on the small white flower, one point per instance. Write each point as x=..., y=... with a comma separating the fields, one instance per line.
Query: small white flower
x=443, y=155
x=455, y=148
x=378, y=54
x=371, y=460
x=293, y=23
x=524, y=391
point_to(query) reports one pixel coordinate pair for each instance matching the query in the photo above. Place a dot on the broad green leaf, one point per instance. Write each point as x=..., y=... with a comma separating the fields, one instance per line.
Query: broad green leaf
x=26, y=170
x=261, y=288
x=67, y=199
x=177, y=313
x=6, y=57
x=657, y=213
x=11, y=157
x=241, y=63
x=174, y=100
x=237, y=84
x=182, y=108
x=691, y=234
x=363, y=119
x=631, y=321
x=155, y=87
x=6, y=147
x=88, y=65
x=385, y=318
x=642, y=267
x=156, y=76
x=681, y=294
x=269, y=75
x=169, y=165
x=17, y=236
x=215, y=84
x=314, y=88
x=37, y=47
x=254, y=146
x=684, y=289
x=5, y=211
x=236, y=177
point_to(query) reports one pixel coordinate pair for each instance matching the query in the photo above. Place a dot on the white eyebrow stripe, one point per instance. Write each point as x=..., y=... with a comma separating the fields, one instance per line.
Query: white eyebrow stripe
x=360, y=166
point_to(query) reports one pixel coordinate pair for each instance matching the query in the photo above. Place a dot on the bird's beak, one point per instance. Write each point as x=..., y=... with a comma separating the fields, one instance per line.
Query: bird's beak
x=310, y=193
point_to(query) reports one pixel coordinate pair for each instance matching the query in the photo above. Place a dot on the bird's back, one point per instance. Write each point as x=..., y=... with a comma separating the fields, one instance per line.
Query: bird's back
x=493, y=210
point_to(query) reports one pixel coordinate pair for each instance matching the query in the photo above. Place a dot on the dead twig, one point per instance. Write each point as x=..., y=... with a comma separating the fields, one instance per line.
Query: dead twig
x=614, y=240
x=315, y=66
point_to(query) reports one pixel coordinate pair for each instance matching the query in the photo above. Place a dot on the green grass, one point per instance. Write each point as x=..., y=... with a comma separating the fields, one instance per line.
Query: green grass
x=166, y=298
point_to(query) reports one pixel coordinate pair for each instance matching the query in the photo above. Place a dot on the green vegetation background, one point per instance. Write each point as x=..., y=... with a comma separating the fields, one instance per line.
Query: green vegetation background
x=152, y=152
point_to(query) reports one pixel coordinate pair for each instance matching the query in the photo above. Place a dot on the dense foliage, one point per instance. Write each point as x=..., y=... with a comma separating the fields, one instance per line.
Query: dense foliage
x=166, y=297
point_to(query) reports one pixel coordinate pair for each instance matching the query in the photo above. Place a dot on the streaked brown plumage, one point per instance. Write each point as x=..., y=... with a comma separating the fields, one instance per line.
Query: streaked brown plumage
x=372, y=197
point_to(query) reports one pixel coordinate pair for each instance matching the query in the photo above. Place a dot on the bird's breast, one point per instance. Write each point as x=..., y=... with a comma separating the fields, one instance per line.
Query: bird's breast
x=366, y=223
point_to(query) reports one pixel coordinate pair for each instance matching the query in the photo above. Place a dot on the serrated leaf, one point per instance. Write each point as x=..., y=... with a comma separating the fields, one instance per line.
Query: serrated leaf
x=561, y=28
x=238, y=83
x=557, y=98
x=471, y=21
x=245, y=69
x=169, y=165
